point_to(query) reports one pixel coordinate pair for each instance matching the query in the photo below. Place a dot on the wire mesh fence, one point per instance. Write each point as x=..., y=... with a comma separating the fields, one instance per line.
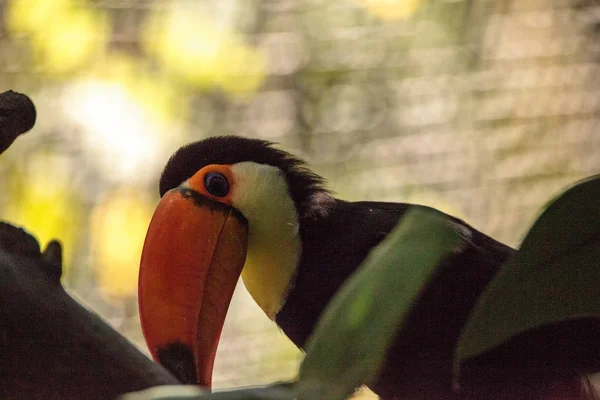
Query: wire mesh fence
x=482, y=108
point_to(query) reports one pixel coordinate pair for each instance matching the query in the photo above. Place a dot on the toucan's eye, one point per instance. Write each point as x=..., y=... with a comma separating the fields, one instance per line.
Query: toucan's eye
x=216, y=184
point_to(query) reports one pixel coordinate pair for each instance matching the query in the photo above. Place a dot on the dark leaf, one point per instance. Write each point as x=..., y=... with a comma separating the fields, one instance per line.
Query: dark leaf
x=553, y=278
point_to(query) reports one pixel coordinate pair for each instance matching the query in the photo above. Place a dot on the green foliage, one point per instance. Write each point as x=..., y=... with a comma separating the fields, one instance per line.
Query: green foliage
x=554, y=277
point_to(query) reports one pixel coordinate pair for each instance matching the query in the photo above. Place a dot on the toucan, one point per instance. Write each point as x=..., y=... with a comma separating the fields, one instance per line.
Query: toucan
x=234, y=206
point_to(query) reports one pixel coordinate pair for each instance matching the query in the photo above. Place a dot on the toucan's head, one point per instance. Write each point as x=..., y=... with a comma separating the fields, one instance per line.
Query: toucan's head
x=230, y=206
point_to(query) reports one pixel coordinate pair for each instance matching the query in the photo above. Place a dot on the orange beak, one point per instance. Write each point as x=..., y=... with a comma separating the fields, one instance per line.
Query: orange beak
x=193, y=255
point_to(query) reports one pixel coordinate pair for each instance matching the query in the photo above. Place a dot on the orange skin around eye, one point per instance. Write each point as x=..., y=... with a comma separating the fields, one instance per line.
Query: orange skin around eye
x=196, y=182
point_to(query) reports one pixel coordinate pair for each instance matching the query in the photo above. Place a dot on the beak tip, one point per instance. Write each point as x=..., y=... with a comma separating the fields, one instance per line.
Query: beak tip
x=178, y=358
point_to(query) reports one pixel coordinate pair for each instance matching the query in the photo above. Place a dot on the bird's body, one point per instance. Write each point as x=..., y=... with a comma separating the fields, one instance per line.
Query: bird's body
x=295, y=245
x=423, y=353
x=340, y=240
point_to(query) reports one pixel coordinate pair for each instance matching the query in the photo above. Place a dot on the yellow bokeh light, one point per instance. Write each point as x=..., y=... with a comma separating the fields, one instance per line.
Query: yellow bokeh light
x=391, y=9
x=118, y=229
x=194, y=49
x=27, y=16
x=63, y=34
x=65, y=46
x=42, y=202
x=245, y=71
x=160, y=97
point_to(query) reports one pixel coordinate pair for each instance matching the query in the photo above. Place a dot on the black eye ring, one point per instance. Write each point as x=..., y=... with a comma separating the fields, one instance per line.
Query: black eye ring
x=216, y=184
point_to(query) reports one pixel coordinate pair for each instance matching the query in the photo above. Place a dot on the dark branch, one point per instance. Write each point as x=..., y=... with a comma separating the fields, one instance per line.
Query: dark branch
x=17, y=116
x=51, y=346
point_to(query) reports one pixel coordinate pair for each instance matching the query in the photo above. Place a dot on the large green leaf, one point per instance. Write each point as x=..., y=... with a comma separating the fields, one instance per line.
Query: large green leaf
x=351, y=340
x=554, y=277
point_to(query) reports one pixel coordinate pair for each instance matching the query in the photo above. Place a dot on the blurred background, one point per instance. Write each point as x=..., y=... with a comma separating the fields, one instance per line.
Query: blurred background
x=482, y=108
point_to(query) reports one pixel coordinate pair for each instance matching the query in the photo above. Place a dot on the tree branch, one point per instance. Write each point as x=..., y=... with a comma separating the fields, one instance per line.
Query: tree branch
x=17, y=116
x=51, y=347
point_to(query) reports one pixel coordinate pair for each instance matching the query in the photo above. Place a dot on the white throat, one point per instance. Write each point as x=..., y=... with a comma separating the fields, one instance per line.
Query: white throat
x=261, y=194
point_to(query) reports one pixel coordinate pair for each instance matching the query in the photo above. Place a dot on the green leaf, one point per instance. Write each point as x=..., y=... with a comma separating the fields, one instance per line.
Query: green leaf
x=350, y=342
x=554, y=277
